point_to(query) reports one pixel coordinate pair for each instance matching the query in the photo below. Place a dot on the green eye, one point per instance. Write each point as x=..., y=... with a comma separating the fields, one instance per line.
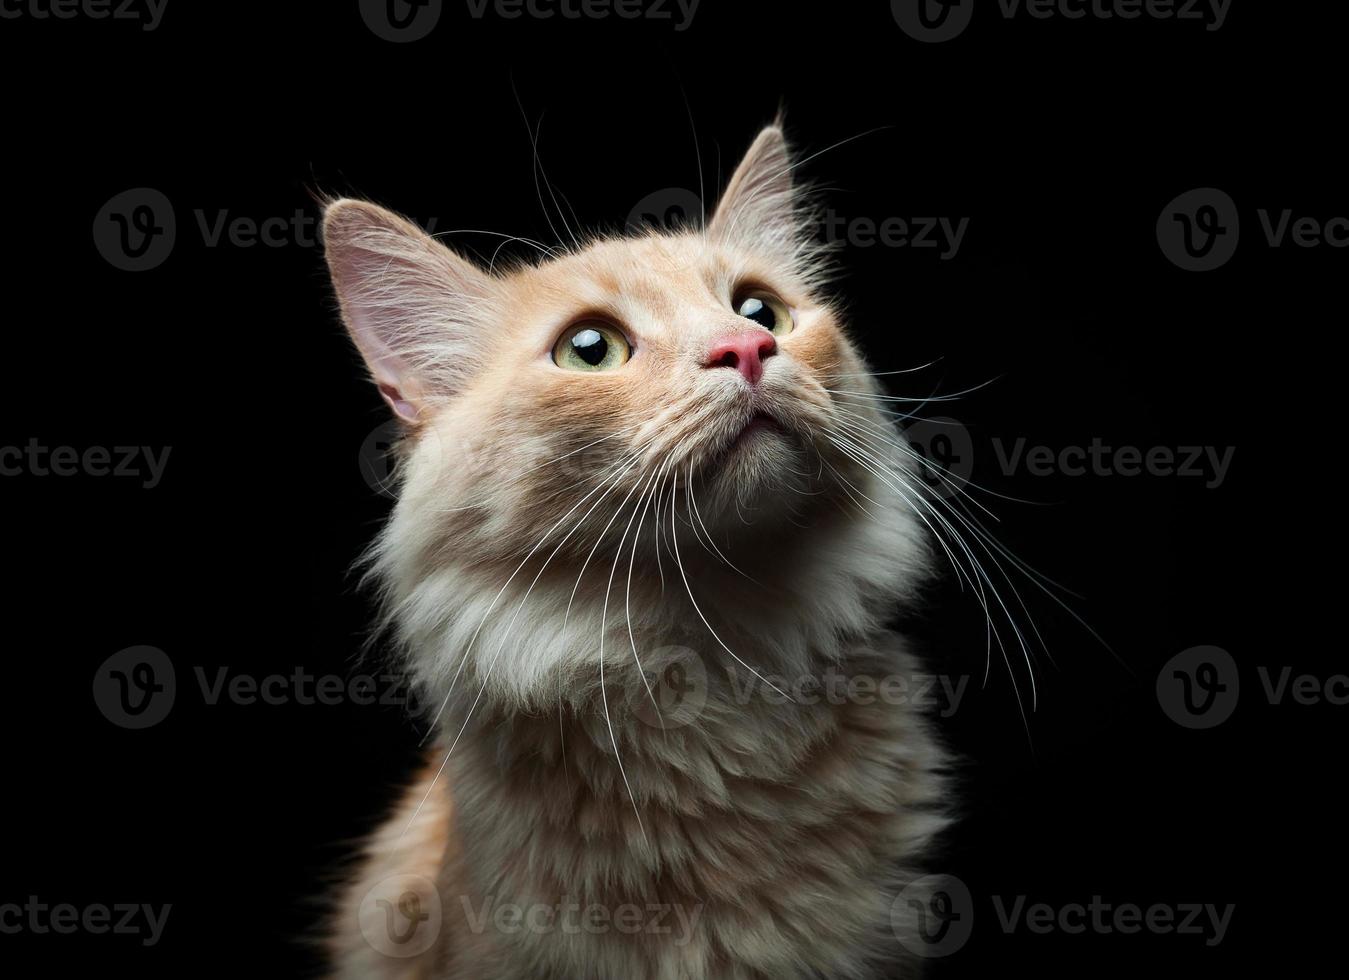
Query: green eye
x=766, y=310
x=591, y=346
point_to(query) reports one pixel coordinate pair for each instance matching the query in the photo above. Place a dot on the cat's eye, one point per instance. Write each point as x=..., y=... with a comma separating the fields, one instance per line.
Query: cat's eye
x=591, y=346
x=766, y=310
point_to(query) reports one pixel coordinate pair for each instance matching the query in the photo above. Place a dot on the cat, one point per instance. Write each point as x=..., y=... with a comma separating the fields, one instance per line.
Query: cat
x=650, y=502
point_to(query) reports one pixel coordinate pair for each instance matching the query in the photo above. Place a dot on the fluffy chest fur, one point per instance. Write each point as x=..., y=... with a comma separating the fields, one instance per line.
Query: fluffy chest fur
x=767, y=839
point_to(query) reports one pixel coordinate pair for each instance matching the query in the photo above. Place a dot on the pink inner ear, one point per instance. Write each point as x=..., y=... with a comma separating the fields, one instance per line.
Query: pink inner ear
x=403, y=408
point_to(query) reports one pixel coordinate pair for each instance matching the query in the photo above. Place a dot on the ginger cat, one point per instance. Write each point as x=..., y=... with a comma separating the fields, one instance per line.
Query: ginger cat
x=649, y=501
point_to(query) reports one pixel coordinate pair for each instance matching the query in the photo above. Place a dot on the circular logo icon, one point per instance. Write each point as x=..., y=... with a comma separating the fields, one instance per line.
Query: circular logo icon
x=670, y=209
x=947, y=454
x=379, y=457
x=135, y=230
x=401, y=916
x=676, y=688
x=932, y=21
x=134, y=688
x=1199, y=230
x=1199, y=687
x=933, y=916
x=401, y=21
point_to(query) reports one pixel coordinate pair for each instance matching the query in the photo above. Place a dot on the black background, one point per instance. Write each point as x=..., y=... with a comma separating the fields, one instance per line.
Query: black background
x=1062, y=141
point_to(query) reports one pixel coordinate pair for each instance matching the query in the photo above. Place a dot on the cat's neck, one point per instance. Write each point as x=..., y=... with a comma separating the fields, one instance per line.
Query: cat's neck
x=755, y=810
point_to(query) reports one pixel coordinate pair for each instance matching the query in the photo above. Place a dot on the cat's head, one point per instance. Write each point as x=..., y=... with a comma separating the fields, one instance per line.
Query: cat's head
x=695, y=378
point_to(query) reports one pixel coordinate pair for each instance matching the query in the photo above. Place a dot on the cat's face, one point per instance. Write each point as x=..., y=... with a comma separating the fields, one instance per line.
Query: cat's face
x=567, y=392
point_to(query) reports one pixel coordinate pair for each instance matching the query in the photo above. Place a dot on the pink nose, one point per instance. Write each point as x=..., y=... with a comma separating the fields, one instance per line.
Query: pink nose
x=745, y=352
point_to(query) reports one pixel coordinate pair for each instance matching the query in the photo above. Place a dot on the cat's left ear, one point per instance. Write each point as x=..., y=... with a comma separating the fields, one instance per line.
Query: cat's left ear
x=413, y=307
x=760, y=207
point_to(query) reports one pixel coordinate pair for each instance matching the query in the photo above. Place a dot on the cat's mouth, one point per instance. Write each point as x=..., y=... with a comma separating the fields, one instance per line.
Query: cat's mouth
x=758, y=425
x=757, y=429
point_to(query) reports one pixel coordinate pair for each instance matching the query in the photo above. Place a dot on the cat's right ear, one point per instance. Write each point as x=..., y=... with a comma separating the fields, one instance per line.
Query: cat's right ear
x=411, y=305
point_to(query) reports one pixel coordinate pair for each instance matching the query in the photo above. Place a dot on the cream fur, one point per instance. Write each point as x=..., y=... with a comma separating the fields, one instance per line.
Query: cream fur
x=515, y=577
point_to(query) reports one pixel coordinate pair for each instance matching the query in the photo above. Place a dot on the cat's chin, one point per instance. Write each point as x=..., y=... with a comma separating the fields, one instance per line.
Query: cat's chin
x=759, y=474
